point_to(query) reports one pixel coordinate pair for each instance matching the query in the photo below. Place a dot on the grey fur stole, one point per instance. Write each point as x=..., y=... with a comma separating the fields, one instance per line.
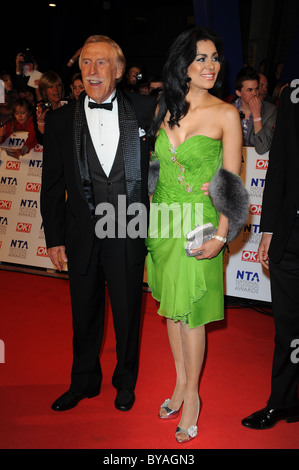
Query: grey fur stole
x=153, y=176
x=229, y=197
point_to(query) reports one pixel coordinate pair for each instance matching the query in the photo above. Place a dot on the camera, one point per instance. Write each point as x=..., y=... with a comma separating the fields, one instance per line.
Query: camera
x=28, y=58
x=28, y=63
x=44, y=106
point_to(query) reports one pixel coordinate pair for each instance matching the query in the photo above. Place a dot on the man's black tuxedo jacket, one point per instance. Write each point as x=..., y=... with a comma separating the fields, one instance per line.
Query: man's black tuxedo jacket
x=281, y=193
x=66, y=210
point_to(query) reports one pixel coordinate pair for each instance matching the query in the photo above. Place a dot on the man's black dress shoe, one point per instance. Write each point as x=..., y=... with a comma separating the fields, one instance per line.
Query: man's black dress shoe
x=268, y=417
x=124, y=400
x=69, y=400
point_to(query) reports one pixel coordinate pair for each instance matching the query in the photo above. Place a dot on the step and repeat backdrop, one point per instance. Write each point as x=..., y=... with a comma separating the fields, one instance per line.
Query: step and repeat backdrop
x=22, y=240
x=243, y=273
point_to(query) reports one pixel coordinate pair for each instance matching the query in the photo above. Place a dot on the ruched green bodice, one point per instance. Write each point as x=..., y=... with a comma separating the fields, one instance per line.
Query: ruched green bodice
x=189, y=290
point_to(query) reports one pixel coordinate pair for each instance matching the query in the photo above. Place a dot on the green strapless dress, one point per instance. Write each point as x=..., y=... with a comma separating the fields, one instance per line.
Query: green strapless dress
x=188, y=289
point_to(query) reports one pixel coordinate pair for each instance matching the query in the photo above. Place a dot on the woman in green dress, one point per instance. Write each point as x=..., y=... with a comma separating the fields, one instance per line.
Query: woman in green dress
x=196, y=133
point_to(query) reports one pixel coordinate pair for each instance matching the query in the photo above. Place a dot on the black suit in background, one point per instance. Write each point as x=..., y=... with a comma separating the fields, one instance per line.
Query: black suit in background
x=71, y=167
x=281, y=251
x=279, y=216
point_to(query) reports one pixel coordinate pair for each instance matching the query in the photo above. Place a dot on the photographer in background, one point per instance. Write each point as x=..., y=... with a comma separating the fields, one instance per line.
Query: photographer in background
x=132, y=79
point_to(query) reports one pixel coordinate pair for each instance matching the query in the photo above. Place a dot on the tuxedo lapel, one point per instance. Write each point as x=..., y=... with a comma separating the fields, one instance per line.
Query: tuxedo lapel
x=80, y=139
x=130, y=143
x=79, y=121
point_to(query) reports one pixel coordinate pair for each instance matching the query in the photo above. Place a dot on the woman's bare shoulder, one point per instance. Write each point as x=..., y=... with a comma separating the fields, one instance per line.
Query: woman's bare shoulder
x=226, y=110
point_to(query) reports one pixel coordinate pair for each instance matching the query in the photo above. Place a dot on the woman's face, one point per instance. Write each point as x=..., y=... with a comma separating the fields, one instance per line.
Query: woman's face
x=54, y=93
x=7, y=82
x=205, y=68
x=77, y=88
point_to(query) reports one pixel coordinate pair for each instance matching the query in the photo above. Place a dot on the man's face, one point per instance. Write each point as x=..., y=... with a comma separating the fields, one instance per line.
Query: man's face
x=263, y=90
x=249, y=89
x=99, y=70
x=155, y=85
x=132, y=75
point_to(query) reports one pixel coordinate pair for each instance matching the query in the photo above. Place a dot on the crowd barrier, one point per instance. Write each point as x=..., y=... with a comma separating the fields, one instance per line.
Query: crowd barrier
x=22, y=240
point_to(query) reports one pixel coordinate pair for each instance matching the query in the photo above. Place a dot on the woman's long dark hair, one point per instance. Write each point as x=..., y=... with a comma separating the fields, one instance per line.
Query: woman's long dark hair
x=175, y=80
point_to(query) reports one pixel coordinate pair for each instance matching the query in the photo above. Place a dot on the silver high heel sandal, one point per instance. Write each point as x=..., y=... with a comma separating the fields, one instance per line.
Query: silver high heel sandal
x=190, y=433
x=170, y=414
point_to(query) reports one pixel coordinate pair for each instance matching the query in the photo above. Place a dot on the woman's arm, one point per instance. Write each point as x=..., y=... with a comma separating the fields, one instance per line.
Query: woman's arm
x=232, y=152
x=232, y=160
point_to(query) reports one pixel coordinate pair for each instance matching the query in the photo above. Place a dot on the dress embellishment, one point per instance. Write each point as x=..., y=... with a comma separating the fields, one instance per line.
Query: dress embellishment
x=181, y=177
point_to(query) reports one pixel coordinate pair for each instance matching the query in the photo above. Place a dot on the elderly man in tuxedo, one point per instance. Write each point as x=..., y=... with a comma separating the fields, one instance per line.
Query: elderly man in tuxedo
x=96, y=155
x=279, y=252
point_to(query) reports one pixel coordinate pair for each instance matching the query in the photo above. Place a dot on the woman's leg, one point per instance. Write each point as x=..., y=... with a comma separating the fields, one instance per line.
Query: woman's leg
x=193, y=347
x=174, y=335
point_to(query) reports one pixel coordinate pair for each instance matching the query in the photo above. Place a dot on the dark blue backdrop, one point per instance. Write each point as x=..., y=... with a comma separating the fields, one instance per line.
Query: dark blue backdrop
x=223, y=18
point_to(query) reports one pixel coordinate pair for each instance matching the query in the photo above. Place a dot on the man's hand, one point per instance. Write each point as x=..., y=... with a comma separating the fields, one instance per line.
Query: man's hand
x=264, y=248
x=255, y=106
x=57, y=256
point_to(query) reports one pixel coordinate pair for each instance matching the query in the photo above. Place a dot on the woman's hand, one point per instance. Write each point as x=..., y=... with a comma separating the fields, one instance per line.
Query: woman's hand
x=40, y=118
x=40, y=113
x=205, y=188
x=209, y=249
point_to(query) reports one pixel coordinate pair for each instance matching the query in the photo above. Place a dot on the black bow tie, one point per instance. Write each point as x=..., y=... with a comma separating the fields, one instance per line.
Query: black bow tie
x=107, y=106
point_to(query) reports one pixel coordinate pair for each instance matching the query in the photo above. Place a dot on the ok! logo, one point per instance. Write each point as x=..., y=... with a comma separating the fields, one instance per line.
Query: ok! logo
x=33, y=187
x=23, y=227
x=12, y=165
x=251, y=256
x=261, y=164
x=255, y=209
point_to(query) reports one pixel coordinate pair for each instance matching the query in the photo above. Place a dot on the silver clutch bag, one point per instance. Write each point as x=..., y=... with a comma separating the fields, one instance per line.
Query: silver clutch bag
x=198, y=236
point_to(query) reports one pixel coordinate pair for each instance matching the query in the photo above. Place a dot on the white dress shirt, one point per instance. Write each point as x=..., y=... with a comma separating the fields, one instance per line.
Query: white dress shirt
x=104, y=131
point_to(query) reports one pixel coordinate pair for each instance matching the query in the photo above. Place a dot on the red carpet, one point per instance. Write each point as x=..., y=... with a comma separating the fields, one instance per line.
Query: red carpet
x=35, y=326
